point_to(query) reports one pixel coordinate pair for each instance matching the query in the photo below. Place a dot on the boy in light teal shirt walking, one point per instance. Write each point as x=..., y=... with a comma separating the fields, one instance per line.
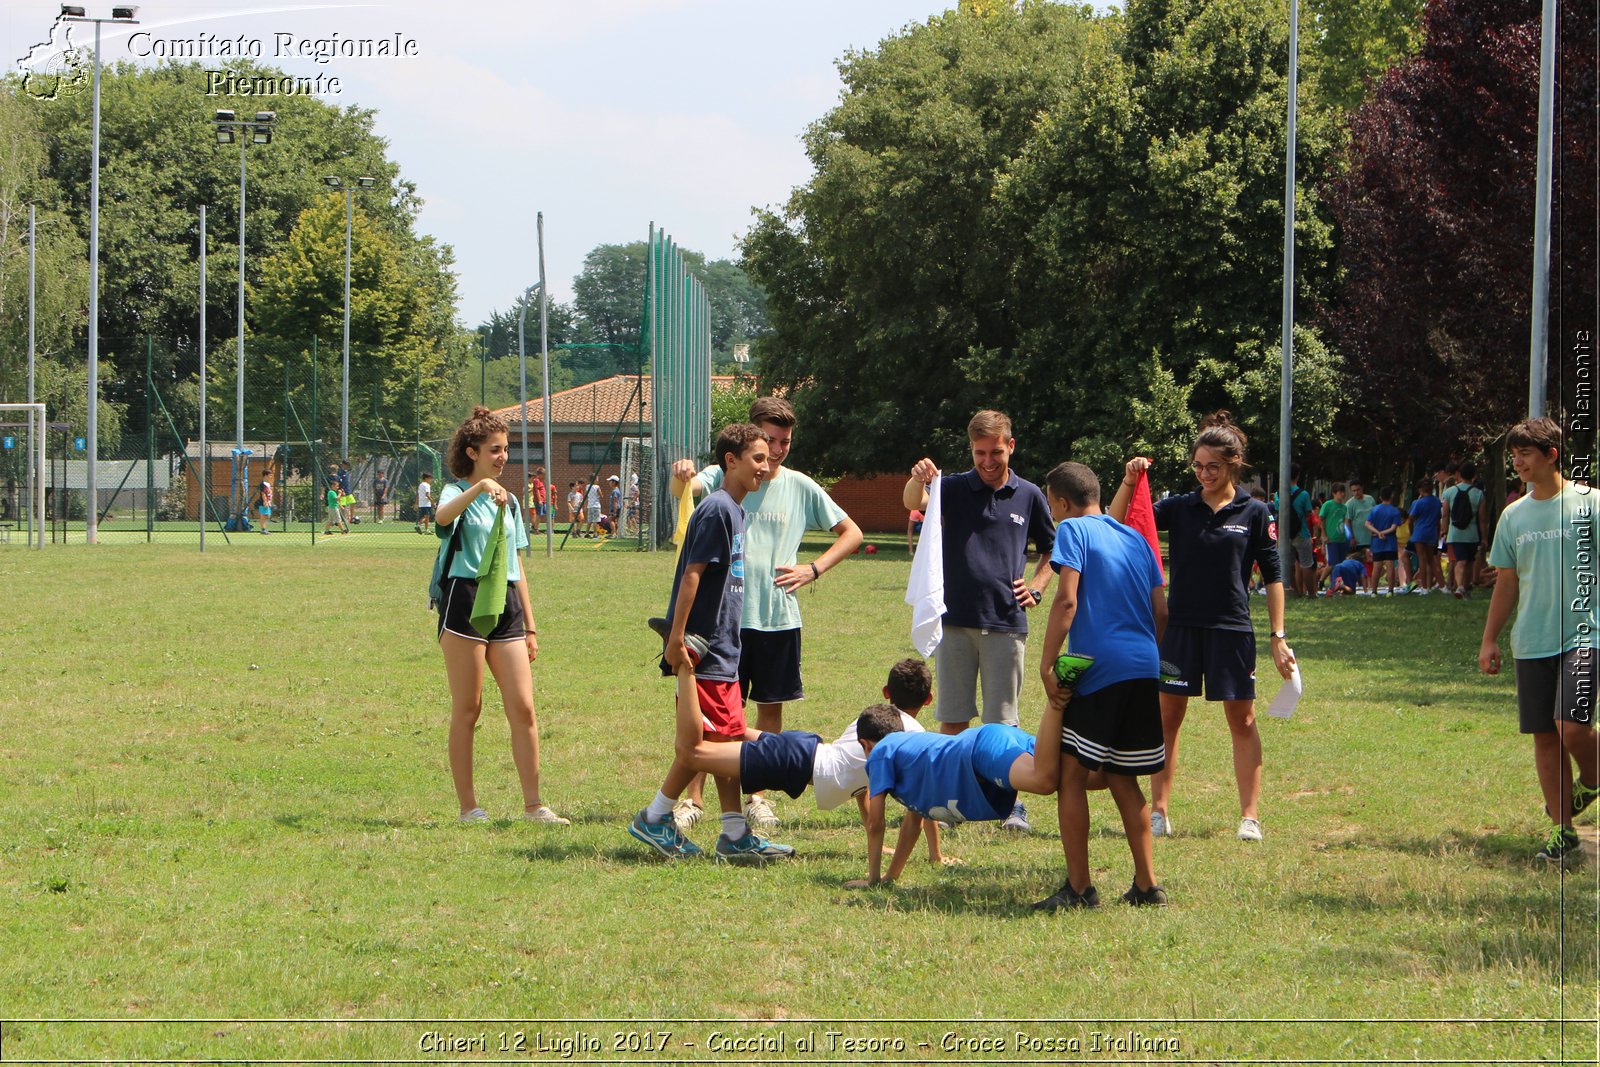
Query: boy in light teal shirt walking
x=1544, y=549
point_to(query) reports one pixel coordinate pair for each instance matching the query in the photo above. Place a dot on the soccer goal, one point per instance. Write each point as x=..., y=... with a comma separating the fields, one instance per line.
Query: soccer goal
x=638, y=490
x=22, y=467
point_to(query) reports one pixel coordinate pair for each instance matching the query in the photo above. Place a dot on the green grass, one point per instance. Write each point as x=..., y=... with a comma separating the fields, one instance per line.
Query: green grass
x=223, y=796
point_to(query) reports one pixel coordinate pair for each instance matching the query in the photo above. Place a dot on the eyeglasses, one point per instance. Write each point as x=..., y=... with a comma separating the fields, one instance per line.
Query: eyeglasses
x=1208, y=468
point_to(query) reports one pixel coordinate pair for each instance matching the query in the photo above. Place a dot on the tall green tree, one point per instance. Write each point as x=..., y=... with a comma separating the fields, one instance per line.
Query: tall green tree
x=888, y=274
x=1353, y=42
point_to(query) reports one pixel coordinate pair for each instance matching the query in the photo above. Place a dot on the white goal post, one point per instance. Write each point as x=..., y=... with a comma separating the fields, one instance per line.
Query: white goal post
x=33, y=450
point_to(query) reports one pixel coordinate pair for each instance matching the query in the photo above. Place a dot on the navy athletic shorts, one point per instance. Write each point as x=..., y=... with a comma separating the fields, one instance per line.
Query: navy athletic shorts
x=778, y=761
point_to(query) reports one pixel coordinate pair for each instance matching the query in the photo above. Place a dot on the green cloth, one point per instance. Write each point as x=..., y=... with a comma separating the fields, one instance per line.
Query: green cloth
x=490, y=602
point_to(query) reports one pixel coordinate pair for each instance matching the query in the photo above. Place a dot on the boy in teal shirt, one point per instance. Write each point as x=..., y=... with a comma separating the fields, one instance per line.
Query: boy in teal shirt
x=1544, y=549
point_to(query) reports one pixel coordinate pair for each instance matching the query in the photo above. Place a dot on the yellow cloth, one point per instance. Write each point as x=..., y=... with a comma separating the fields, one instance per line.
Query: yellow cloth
x=685, y=508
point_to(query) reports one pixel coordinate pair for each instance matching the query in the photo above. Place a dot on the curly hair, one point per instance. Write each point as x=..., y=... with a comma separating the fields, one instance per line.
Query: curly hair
x=471, y=434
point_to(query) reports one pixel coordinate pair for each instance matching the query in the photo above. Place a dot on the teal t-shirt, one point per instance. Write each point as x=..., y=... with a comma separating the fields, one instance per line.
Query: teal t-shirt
x=479, y=518
x=1356, y=510
x=1550, y=544
x=1456, y=535
x=777, y=516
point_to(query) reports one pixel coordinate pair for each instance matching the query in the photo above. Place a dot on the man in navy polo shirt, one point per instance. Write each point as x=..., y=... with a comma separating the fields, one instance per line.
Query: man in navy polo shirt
x=990, y=516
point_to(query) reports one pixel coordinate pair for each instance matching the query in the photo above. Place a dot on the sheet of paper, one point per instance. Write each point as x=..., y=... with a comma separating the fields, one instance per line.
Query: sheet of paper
x=1283, y=704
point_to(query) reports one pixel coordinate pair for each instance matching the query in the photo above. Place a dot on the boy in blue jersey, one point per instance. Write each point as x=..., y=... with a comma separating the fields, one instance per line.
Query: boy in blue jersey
x=1382, y=523
x=1350, y=575
x=973, y=776
x=1109, y=605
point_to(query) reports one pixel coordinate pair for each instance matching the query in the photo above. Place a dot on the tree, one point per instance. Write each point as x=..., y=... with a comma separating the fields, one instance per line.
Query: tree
x=887, y=275
x=1436, y=215
x=160, y=160
x=1352, y=42
x=1057, y=216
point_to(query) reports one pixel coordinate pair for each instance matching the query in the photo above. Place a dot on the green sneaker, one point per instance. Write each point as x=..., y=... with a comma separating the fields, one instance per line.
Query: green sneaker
x=1070, y=667
x=1562, y=847
x=664, y=837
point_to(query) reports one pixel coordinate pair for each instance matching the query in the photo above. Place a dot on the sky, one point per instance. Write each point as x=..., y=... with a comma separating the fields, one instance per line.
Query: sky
x=606, y=115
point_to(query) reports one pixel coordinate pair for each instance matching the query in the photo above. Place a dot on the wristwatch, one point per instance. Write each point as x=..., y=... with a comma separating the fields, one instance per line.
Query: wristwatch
x=1280, y=635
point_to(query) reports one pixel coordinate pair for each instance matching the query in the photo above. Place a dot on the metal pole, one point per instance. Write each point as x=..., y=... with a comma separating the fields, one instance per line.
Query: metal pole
x=205, y=458
x=1286, y=398
x=38, y=475
x=33, y=243
x=238, y=390
x=91, y=482
x=544, y=374
x=344, y=398
x=1539, y=330
x=149, y=439
x=522, y=363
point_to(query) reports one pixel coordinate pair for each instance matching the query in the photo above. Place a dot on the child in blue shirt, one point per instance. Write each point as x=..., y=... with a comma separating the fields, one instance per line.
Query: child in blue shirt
x=1382, y=522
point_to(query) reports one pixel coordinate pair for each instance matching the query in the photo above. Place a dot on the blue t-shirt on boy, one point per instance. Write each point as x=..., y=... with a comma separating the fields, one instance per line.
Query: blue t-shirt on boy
x=716, y=538
x=1115, y=622
x=1425, y=513
x=1382, y=517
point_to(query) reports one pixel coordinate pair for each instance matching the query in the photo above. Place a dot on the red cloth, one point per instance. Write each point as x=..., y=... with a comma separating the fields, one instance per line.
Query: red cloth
x=1142, y=517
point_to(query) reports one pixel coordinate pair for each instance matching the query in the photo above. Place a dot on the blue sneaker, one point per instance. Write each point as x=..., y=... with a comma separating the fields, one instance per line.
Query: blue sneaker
x=664, y=837
x=751, y=851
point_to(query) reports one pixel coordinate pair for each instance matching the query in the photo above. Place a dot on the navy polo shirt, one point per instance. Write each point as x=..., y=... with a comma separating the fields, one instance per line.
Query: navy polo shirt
x=986, y=535
x=1211, y=554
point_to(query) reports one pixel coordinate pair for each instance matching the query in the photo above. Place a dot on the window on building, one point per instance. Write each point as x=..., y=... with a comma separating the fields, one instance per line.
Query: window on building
x=592, y=452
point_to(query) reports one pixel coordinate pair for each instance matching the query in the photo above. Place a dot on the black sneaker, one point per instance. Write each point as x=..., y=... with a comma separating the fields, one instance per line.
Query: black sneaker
x=1154, y=897
x=1582, y=796
x=1067, y=897
x=696, y=644
x=1562, y=847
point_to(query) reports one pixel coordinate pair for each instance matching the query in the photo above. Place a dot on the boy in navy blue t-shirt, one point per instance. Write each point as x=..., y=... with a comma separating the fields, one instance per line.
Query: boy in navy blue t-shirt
x=1382, y=522
x=703, y=638
x=1109, y=605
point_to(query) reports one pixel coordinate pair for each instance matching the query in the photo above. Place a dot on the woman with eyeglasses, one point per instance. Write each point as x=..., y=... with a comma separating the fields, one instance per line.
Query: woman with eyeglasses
x=1214, y=535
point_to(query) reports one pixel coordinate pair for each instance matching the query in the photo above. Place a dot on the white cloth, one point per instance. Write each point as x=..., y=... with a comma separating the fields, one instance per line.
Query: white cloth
x=1288, y=697
x=925, y=591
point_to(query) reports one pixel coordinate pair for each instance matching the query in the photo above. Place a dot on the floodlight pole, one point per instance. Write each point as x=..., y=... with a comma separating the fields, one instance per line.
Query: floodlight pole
x=544, y=375
x=238, y=385
x=1539, y=341
x=522, y=374
x=349, y=187
x=32, y=258
x=1286, y=397
x=122, y=16
x=204, y=471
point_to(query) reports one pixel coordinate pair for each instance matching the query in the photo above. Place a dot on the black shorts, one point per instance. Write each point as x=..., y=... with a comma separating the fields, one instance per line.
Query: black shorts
x=1388, y=553
x=455, y=613
x=1463, y=551
x=769, y=666
x=1224, y=660
x=783, y=761
x=1556, y=687
x=1116, y=729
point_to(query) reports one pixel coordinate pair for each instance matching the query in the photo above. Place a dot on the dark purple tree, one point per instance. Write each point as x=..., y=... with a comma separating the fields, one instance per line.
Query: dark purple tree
x=1436, y=213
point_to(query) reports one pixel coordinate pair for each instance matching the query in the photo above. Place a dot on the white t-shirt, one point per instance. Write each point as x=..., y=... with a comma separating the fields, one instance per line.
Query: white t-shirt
x=839, y=769
x=424, y=494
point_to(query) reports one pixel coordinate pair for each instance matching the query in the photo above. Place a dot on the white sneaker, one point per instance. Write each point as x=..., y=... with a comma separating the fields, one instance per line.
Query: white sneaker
x=1363, y=592
x=543, y=814
x=1018, y=819
x=475, y=815
x=759, y=814
x=1159, y=826
x=1249, y=829
x=1421, y=591
x=685, y=814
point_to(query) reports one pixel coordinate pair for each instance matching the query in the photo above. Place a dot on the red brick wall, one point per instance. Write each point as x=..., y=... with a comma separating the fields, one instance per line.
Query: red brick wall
x=873, y=502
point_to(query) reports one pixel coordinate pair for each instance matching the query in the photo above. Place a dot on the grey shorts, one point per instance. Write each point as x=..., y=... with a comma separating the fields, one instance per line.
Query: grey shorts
x=1302, y=551
x=968, y=656
x=1556, y=687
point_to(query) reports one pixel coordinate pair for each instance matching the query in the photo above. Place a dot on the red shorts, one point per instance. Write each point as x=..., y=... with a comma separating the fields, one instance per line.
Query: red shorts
x=722, y=705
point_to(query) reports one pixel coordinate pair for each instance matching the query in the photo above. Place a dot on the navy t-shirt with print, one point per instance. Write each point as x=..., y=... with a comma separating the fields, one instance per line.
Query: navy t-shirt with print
x=986, y=536
x=716, y=538
x=1211, y=553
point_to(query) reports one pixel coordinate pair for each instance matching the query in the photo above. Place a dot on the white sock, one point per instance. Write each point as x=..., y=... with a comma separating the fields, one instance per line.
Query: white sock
x=733, y=825
x=660, y=808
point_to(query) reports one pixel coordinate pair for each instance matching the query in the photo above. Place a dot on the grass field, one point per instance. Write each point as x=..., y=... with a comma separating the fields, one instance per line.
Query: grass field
x=227, y=832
